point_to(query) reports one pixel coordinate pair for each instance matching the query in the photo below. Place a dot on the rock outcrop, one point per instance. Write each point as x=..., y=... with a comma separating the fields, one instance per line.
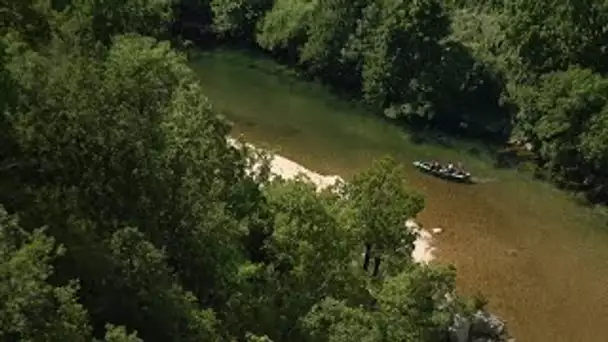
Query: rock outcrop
x=480, y=327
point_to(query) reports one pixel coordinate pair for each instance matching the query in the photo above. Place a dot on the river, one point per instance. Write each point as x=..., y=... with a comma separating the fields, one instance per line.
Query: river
x=541, y=260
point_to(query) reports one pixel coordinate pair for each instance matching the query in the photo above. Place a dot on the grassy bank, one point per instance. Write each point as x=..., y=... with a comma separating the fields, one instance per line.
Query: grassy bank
x=540, y=259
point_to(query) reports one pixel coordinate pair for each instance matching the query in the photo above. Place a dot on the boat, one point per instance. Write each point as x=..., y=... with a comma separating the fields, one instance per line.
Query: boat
x=443, y=172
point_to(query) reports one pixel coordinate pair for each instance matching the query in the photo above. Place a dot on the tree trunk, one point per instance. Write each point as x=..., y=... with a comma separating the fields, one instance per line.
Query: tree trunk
x=377, y=266
x=368, y=252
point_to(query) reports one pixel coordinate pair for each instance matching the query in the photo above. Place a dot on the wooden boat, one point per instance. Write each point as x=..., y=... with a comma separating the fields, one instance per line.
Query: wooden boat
x=443, y=172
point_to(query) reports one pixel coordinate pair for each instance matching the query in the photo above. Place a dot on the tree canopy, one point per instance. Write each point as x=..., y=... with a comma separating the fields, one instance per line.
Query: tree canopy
x=126, y=214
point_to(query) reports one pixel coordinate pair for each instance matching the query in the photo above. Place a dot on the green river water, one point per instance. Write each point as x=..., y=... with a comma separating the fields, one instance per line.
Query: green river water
x=541, y=260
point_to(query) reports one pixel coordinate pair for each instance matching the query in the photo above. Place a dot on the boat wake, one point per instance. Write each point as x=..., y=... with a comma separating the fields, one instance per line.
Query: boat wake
x=479, y=180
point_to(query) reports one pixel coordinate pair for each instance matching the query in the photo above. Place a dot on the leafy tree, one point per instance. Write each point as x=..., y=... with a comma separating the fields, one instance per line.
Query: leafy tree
x=475, y=73
x=309, y=231
x=594, y=146
x=414, y=303
x=361, y=46
x=120, y=159
x=119, y=334
x=8, y=93
x=554, y=35
x=314, y=35
x=255, y=338
x=310, y=252
x=411, y=306
x=399, y=44
x=324, y=53
x=564, y=118
x=193, y=20
x=32, y=309
x=382, y=204
x=115, y=17
x=147, y=296
x=28, y=18
x=335, y=321
x=237, y=19
x=594, y=142
x=283, y=28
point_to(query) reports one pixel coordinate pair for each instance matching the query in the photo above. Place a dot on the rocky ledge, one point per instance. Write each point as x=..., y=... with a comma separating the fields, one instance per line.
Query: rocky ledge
x=482, y=326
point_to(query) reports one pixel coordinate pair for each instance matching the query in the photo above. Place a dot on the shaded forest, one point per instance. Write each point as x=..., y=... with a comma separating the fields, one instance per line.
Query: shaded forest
x=127, y=216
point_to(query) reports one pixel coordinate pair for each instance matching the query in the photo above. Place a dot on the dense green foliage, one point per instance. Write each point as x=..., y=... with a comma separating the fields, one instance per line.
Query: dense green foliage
x=127, y=215
x=392, y=54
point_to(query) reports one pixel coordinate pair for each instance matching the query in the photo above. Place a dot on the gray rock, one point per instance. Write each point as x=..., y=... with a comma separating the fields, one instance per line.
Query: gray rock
x=481, y=327
x=459, y=331
x=486, y=324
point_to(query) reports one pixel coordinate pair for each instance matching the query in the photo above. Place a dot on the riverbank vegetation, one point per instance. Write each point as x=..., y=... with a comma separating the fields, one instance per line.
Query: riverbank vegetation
x=505, y=70
x=125, y=214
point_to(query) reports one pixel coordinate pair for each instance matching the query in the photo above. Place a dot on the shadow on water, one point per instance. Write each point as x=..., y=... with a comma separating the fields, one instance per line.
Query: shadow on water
x=477, y=149
x=420, y=137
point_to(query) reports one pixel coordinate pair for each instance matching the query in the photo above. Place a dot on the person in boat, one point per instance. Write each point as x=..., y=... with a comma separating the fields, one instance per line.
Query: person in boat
x=435, y=166
x=450, y=167
x=459, y=168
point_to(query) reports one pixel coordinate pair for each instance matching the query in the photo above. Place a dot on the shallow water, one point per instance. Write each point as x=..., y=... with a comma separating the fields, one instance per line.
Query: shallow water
x=540, y=260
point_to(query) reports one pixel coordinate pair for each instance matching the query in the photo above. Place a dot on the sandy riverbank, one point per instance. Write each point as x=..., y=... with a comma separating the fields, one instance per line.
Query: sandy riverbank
x=288, y=169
